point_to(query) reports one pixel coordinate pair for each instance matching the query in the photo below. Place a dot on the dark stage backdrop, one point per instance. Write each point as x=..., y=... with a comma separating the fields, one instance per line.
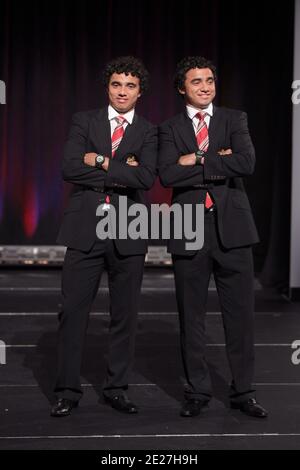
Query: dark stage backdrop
x=51, y=55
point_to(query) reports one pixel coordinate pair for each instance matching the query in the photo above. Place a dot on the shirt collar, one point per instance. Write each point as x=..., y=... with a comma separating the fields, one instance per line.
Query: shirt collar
x=192, y=111
x=112, y=114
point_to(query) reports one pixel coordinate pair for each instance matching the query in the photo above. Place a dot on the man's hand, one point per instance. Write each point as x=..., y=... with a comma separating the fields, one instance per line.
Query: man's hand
x=224, y=152
x=187, y=160
x=131, y=161
x=105, y=164
x=90, y=160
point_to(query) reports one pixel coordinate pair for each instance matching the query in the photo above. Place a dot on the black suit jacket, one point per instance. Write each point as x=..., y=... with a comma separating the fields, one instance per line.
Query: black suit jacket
x=221, y=175
x=90, y=132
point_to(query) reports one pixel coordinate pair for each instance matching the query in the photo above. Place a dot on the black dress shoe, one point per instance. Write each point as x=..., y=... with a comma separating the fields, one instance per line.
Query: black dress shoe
x=63, y=407
x=121, y=403
x=192, y=407
x=250, y=407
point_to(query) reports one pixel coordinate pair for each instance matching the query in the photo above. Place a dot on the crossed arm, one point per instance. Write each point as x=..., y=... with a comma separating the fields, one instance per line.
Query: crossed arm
x=79, y=166
x=181, y=170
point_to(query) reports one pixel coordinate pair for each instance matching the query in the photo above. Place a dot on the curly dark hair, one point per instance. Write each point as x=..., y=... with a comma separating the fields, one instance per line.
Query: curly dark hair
x=188, y=63
x=128, y=65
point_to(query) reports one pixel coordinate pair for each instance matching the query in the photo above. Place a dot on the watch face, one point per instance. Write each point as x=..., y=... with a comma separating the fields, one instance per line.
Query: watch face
x=100, y=159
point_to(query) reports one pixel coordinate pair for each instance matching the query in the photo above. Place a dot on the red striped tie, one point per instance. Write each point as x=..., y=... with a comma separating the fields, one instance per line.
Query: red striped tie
x=203, y=142
x=117, y=134
x=116, y=140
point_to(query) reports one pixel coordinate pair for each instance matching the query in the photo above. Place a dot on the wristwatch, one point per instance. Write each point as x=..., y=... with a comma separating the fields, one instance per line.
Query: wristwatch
x=99, y=160
x=199, y=155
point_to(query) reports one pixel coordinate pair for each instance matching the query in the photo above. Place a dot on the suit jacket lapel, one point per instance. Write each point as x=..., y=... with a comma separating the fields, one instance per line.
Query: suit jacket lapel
x=100, y=132
x=186, y=131
x=215, y=126
x=129, y=137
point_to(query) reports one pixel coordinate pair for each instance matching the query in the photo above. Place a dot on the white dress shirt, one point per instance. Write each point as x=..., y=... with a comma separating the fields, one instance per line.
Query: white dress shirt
x=193, y=111
x=112, y=114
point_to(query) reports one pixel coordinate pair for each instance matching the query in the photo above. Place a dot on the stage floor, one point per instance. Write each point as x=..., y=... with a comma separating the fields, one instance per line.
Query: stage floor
x=30, y=301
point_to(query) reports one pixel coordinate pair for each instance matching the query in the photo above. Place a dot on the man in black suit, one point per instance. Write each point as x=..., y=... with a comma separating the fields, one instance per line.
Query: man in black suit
x=110, y=153
x=204, y=154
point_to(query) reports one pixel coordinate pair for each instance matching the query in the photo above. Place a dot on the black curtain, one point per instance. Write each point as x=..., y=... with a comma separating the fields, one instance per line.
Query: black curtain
x=51, y=56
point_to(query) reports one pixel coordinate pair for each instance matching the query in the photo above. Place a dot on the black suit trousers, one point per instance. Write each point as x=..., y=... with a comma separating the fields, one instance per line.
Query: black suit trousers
x=80, y=282
x=233, y=274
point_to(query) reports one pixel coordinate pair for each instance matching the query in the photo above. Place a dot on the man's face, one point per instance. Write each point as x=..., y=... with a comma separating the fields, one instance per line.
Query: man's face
x=199, y=88
x=123, y=92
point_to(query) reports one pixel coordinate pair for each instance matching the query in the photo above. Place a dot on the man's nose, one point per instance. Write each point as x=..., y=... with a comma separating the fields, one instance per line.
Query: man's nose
x=122, y=91
x=204, y=87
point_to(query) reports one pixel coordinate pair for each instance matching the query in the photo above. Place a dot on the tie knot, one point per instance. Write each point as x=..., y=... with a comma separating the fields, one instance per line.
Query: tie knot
x=120, y=120
x=201, y=116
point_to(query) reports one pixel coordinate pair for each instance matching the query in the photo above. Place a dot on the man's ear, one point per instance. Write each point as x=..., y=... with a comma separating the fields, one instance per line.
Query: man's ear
x=181, y=91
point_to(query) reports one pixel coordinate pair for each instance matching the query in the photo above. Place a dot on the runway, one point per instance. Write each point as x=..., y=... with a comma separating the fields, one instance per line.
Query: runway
x=30, y=301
